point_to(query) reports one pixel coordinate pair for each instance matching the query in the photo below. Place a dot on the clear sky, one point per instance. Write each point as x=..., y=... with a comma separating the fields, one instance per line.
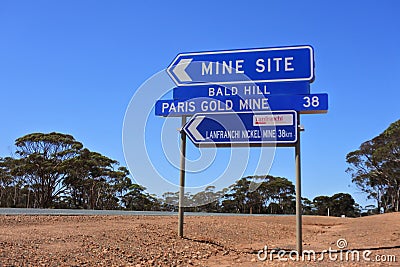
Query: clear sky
x=73, y=67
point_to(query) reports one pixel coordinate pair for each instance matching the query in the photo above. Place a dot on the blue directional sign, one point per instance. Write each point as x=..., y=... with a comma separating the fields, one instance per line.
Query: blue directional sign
x=243, y=90
x=278, y=127
x=279, y=64
x=311, y=103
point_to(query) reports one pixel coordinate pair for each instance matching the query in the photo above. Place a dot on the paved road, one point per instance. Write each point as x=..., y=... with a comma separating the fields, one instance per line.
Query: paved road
x=17, y=211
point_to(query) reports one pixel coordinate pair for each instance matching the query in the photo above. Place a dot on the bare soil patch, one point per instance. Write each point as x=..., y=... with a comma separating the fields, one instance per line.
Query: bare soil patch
x=209, y=240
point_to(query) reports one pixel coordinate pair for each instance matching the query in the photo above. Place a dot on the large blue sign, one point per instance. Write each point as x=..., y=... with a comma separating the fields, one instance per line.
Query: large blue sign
x=279, y=64
x=243, y=90
x=311, y=103
x=278, y=127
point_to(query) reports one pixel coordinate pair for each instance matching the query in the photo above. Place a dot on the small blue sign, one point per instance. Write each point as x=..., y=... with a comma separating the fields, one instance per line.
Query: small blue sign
x=311, y=103
x=279, y=127
x=278, y=64
x=242, y=90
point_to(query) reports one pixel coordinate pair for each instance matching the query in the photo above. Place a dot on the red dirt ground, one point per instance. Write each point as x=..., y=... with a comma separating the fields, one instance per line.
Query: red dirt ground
x=209, y=241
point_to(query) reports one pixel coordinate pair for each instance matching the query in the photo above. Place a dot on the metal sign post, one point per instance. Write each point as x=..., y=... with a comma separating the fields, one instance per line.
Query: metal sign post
x=182, y=178
x=299, y=232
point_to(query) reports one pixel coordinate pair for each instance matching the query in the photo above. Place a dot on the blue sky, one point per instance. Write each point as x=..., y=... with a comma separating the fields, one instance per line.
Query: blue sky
x=73, y=67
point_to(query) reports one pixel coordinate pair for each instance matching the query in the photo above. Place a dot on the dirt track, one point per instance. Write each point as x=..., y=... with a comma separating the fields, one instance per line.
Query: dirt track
x=209, y=241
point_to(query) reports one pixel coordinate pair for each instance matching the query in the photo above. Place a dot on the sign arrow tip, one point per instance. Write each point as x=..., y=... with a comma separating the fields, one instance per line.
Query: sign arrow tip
x=193, y=128
x=180, y=70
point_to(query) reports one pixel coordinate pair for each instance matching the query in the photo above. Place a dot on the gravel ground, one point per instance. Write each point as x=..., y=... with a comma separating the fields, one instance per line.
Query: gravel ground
x=27, y=240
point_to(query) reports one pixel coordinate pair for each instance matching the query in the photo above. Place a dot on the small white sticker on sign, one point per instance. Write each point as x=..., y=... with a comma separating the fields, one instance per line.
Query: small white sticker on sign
x=271, y=120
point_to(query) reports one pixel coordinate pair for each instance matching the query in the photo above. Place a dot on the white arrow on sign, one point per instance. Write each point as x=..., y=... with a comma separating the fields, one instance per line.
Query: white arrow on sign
x=192, y=129
x=180, y=68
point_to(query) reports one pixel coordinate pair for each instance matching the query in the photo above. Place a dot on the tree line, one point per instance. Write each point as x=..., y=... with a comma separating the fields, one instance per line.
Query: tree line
x=53, y=170
x=271, y=195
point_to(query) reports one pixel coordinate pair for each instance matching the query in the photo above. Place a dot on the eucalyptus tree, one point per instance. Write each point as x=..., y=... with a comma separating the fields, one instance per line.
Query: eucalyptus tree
x=375, y=168
x=95, y=181
x=40, y=162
